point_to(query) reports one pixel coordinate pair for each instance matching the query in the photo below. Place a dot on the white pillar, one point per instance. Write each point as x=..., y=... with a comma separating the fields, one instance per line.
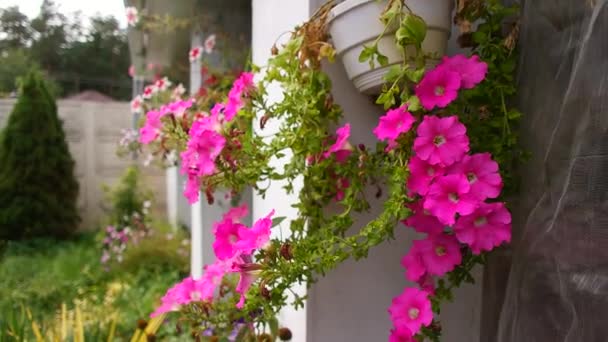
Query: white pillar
x=172, y=178
x=271, y=19
x=196, y=228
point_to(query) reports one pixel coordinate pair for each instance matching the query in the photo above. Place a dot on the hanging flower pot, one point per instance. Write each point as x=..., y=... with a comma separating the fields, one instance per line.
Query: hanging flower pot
x=354, y=24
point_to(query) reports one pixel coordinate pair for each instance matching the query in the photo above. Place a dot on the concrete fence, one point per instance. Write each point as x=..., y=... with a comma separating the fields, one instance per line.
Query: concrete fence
x=93, y=130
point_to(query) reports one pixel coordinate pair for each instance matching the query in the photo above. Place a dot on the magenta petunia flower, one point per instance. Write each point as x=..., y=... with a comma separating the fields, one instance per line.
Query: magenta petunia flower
x=195, y=53
x=471, y=70
x=341, y=148
x=422, y=175
x=448, y=196
x=438, y=88
x=257, y=236
x=403, y=334
x=236, y=214
x=246, y=278
x=482, y=173
x=227, y=235
x=487, y=227
x=152, y=127
x=422, y=221
x=411, y=310
x=192, y=188
x=413, y=263
x=394, y=123
x=441, y=141
x=440, y=253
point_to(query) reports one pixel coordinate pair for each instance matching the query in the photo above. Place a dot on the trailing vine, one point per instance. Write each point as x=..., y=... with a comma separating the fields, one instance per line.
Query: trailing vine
x=225, y=144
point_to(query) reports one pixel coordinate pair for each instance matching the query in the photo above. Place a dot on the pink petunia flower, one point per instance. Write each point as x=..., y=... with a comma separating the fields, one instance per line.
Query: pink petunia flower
x=132, y=15
x=482, y=173
x=162, y=84
x=236, y=214
x=441, y=140
x=227, y=235
x=149, y=91
x=403, y=334
x=195, y=53
x=471, y=70
x=247, y=276
x=413, y=263
x=242, y=86
x=394, y=123
x=152, y=127
x=257, y=236
x=450, y=195
x=422, y=221
x=422, y=175
x=440, y=254
x=178, y=92
x=438, y=88
x=136, y=104
x=192, y=188
x=131, y=71
x=487, y=227
x=411, y=310
x=341, y=148
x=209, y=44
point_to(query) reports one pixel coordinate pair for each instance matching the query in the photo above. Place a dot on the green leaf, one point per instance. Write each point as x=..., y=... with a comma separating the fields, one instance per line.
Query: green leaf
x=412, y=30
x=277, y=221
x=367, y=53
x=382, y=59
x=387, y=99
x=273, y=323
x=413, y=104
x=393, y=73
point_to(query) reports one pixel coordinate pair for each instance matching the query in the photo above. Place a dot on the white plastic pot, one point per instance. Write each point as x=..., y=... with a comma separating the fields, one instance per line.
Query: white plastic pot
x=355, y=23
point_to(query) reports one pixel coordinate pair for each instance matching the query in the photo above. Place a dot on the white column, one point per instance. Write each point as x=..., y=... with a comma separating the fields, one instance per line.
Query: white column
x=271, y=19
x=196, y=228
x=172, y=178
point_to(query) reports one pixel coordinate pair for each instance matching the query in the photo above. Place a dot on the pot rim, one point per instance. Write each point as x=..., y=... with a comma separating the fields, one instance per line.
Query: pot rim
x=347, y=5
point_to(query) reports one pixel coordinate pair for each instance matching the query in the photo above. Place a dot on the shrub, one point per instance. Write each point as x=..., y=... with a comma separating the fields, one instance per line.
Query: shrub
x=38, y=190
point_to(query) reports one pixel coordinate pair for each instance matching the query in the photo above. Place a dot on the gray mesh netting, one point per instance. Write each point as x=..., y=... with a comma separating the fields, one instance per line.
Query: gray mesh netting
x=558, y=285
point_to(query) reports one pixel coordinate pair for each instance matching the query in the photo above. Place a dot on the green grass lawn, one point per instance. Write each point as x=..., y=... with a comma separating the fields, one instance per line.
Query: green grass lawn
x=40, y=276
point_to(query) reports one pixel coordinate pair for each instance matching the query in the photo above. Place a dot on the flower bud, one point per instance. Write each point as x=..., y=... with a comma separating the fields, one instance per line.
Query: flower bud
x=285, y=334
x=286, y=251
x=141, y=324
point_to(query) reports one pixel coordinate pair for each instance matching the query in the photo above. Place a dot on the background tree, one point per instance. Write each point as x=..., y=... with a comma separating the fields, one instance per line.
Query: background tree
x=15, y=28
x=38, y=189
x=74, y=56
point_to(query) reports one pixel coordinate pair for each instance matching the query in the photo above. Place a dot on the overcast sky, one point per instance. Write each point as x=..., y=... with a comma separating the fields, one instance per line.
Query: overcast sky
x=87, y=7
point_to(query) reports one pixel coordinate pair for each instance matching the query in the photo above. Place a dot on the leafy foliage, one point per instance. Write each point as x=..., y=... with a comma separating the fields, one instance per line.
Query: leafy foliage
x=38, y=188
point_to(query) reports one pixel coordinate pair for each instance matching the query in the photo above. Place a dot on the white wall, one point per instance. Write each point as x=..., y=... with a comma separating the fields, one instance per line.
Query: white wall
x=271, y=19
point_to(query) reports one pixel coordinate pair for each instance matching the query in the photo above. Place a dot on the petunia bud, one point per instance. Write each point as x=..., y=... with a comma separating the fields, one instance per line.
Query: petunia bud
x=285, y=334
x=274, y=50
x=264, y=292
x=286, y=251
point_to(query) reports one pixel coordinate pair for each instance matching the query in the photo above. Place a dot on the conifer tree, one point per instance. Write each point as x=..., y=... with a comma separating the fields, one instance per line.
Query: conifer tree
x=38, y=188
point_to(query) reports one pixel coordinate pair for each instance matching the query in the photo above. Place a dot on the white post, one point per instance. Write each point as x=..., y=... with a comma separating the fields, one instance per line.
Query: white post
x=196, y=229
x=172, y=177
x=265, y=32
